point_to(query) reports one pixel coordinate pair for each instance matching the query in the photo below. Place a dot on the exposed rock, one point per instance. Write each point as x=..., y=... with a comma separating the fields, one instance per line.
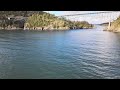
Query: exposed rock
x=114, y=27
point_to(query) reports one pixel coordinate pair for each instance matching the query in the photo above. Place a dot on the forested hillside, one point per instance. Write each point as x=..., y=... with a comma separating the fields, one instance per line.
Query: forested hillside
x=37, y=20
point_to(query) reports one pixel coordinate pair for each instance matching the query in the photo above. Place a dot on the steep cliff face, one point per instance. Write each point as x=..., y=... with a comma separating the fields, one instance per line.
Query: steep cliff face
x=115, y=26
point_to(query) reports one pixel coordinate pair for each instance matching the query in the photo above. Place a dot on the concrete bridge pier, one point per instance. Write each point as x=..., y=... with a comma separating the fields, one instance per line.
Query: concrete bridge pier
x=109, y=25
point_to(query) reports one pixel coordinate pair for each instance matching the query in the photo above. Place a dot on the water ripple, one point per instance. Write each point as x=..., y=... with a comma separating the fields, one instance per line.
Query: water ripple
x=60, y=54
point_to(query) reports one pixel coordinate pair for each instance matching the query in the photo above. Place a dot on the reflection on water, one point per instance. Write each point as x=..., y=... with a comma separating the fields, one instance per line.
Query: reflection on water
x=60, y=54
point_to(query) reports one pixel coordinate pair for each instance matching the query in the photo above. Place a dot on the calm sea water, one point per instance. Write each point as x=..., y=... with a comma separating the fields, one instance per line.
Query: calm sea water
x=74, y=54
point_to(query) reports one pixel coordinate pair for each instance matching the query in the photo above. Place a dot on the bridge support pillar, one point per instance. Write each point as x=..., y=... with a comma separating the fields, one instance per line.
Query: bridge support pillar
x=109, y=25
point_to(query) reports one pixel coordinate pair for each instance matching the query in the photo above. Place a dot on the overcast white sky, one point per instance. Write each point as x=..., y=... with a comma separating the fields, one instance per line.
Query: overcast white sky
x=94, y=18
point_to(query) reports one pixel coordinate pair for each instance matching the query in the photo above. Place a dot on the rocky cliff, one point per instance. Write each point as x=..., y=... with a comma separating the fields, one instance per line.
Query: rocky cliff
x=115, y=26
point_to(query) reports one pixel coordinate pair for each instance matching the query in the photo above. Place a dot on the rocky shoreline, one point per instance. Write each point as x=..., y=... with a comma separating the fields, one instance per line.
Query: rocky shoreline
x=113, y=26
x=37, y=29
x=51, y=29
x=112, y=29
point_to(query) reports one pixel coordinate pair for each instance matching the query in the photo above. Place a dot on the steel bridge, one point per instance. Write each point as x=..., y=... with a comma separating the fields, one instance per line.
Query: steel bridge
x=105, y=16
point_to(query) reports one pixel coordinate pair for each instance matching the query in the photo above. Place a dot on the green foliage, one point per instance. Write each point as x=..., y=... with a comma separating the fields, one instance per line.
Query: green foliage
x=4, y=22
x=38, y=19
x=45, y=19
